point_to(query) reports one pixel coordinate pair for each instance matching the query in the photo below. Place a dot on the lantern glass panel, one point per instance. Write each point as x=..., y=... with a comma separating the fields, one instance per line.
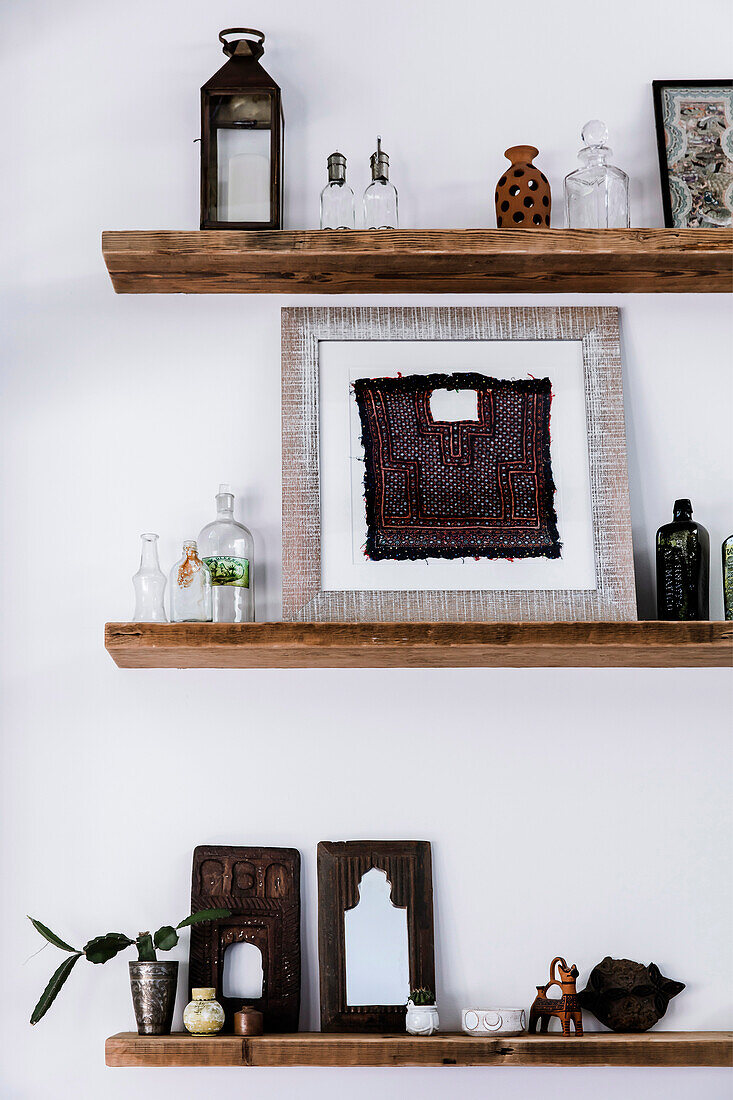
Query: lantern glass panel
x=241, y=129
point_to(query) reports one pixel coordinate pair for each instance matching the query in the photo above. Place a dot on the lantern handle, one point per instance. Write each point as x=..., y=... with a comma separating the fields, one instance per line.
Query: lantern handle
x=257, y=48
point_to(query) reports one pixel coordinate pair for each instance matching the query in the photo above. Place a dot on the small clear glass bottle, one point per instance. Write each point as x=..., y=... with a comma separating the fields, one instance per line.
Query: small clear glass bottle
x=596, y=195
x=190, y=596
x=149, y=584
x=337, y=198
x=380, y=197
x=227, y=548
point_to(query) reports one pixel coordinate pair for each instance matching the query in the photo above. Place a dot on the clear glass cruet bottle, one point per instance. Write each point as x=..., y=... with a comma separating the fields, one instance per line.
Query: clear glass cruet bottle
x=380, y=197
x=337, y=198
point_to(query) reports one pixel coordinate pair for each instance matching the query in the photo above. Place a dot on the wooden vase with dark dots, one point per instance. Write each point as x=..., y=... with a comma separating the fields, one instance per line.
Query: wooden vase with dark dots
x=523, y=199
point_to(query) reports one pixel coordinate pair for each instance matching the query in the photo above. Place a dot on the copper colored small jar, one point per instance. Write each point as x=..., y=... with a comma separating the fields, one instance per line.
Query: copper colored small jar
x=523, y=199
x=248, y=1021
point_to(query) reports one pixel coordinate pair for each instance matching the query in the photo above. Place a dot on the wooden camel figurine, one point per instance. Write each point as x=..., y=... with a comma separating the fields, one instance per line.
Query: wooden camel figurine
x=566, y=1007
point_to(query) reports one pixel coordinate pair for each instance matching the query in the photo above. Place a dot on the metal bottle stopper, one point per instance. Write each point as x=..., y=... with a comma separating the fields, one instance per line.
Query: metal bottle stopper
x=380, y=163
x=336, y=168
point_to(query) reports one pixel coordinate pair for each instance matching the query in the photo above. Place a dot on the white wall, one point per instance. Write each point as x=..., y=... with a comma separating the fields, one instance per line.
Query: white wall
x=579, y=812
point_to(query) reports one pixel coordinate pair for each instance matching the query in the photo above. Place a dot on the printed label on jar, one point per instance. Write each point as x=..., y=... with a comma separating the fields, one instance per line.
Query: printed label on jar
x=226, y=570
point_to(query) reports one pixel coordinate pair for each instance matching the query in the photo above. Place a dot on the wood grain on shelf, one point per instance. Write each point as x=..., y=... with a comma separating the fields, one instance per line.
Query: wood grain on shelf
x=420, y=261
x=421, y=645
x=655, y=1048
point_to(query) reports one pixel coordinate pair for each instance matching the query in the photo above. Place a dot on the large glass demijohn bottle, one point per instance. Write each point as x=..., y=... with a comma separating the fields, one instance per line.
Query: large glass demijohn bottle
x=227, y=548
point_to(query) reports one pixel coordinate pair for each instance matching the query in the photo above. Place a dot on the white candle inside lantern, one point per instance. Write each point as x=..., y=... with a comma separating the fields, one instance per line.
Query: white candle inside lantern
x=243, y=175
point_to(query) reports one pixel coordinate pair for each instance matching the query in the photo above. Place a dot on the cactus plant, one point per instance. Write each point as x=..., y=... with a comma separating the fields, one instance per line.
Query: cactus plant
x=421, y=997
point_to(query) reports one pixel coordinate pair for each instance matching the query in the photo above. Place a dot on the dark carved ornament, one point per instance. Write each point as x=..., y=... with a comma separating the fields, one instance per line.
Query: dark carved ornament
x=261, y=889
x=628, y=996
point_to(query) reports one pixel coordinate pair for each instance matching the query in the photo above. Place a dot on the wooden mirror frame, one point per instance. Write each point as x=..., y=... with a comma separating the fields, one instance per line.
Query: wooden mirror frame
x=341, y=867
x=261, y=889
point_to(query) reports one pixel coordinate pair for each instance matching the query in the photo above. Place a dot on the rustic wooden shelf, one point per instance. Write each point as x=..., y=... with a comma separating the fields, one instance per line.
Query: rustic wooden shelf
x=656, y=1048
x=420, y=261
x=420, y=645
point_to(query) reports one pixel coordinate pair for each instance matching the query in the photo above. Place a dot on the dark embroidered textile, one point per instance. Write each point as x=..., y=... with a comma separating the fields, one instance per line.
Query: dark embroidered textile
x=454, y=489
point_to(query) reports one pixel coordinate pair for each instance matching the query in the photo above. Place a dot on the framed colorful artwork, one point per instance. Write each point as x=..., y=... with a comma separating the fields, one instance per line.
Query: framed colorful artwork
x=454, y=464
x=694, y=121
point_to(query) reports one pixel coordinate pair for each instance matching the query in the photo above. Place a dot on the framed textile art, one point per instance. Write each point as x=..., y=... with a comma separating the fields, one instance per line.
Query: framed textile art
x=454, y=464
x=694, y=120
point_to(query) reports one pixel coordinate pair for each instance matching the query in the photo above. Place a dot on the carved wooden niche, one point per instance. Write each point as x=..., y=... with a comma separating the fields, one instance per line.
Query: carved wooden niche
x=261, y=889
x=342, y=866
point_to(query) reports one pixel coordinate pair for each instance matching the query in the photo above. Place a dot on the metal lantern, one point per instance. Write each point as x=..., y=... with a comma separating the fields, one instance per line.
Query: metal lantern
x=241, y=139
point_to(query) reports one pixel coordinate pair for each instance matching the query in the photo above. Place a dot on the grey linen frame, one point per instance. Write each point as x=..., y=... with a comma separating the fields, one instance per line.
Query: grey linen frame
x=596, y=327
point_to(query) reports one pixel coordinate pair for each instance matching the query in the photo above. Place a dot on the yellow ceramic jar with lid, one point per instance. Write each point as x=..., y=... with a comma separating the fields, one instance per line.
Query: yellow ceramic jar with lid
x=204, y=1015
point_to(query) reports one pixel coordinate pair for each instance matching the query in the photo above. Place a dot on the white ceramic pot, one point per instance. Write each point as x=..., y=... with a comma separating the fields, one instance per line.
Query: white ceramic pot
x=494, y=1021
x=421, y=1019
x=204, y=1015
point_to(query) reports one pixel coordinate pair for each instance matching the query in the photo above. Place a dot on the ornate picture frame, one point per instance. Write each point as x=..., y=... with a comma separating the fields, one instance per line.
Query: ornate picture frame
x=694, y=124
x=261, y=889
x=609, y=595
x=341, y=867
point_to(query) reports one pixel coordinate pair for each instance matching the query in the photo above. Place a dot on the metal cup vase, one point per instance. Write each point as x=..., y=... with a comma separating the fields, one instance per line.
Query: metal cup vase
x=153, y=986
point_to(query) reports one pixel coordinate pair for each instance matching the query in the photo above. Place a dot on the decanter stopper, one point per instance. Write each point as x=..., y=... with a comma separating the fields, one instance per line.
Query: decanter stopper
x=595, y=137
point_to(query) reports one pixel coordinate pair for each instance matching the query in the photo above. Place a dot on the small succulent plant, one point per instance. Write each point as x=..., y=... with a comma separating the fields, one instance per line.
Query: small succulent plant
x=103, y=948
x=422, y=997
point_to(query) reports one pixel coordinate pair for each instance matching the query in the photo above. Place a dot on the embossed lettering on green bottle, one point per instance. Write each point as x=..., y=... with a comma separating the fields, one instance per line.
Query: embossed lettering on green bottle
x=228, y=570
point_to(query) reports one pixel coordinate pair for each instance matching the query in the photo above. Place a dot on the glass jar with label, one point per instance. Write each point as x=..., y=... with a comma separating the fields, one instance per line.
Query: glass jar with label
x=227, y=547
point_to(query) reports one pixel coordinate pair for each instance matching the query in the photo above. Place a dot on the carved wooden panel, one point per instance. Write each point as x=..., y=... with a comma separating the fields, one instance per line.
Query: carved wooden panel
x=341, y=867
x=261, y=888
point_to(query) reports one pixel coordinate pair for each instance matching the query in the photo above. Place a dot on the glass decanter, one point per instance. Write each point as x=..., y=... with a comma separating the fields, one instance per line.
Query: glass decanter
x=596, y=195
x=190, y=596
x=683, y=567
x=337, y=198
x=149, y=584
x=380, y=197
x=227, y=548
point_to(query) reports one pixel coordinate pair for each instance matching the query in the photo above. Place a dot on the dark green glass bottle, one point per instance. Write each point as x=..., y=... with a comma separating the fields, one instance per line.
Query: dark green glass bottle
x=683, y=567
x=728, y=577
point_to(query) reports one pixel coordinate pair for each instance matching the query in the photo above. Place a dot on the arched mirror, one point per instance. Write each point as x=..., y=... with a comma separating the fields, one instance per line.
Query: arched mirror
x=375, y=931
